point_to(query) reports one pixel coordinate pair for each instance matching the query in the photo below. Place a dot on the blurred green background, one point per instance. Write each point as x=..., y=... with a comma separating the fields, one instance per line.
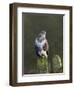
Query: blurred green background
x=32, y=25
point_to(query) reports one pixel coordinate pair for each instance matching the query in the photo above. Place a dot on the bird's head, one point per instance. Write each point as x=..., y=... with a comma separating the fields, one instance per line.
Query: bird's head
x=42, y=35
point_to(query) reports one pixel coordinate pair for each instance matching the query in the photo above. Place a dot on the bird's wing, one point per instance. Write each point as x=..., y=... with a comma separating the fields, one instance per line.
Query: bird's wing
x=46, y=46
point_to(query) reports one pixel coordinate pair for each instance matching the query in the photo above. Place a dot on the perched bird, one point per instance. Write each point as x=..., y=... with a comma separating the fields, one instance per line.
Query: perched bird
x=41, y=45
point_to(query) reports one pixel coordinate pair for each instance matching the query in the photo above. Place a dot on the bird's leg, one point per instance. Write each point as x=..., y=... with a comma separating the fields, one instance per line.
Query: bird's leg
x=44, y=53
x=40, y=53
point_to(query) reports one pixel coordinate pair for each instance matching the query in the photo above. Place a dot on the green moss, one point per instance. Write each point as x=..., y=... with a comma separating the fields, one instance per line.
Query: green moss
x=42, y=65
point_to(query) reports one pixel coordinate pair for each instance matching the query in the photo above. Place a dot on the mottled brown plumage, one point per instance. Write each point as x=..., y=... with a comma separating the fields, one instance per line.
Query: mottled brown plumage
x=46, y=46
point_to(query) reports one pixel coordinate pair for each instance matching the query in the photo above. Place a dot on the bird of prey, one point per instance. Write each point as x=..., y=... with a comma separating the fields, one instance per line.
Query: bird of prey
x=41, y=45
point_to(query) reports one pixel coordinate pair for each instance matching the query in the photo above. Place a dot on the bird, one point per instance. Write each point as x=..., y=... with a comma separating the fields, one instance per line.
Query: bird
x=41, y=45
